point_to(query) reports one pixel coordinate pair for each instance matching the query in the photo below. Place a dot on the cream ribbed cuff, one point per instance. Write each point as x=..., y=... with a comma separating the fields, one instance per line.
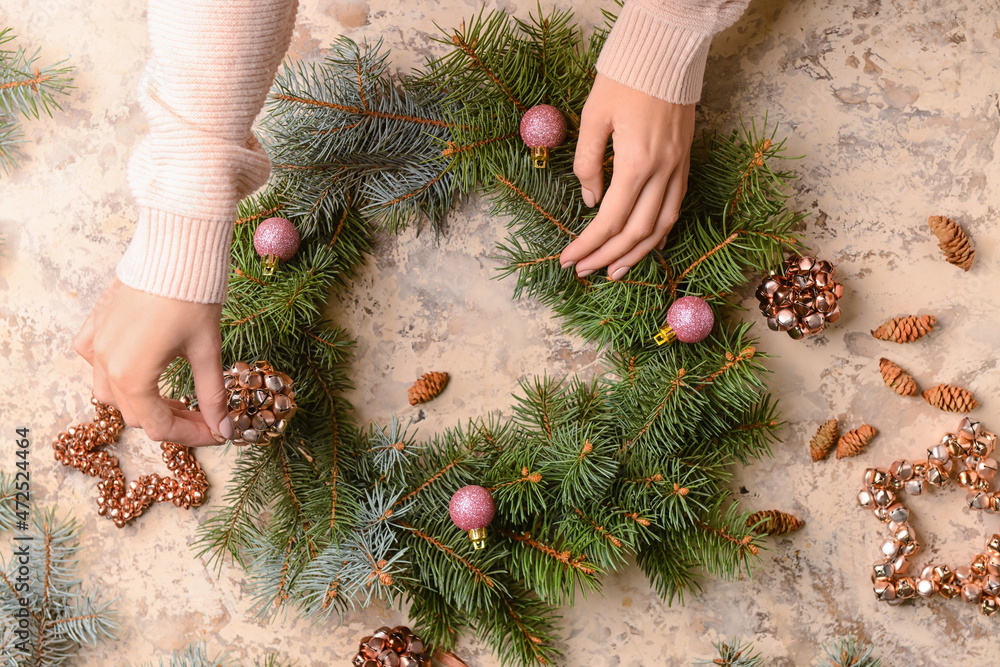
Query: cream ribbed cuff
x=650, y=54
x=178, y=257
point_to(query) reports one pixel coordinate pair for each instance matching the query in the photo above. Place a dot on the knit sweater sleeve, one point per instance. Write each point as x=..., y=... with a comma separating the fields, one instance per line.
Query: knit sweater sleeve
x=211, y=64
x=660, y=47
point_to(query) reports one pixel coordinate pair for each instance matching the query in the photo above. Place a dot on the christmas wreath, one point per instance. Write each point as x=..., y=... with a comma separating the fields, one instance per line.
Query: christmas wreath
x=584, y=475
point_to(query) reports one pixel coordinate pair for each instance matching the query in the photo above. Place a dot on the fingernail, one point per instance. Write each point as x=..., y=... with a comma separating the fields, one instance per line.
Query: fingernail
x=588, y=197
x=226, y=428
x=584, y=273
x=568, y=264
x=619, y=272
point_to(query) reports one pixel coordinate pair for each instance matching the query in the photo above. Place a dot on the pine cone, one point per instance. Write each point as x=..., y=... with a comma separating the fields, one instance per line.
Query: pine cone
x=852, y=442
x=905, y=329
x=950, y=398
x=896, y=378
x=824, y=439
x=953, y=241
x=773, y=522
x=427, y=387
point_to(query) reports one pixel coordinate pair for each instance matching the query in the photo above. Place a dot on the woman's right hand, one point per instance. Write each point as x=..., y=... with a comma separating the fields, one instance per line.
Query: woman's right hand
x=130, y=337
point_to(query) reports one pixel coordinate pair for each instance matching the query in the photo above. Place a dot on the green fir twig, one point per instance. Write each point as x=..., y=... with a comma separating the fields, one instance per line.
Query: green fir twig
x=26, y=91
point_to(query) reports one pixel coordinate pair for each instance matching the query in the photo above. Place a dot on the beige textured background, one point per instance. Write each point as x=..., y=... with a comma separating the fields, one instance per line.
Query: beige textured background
x=894, y=105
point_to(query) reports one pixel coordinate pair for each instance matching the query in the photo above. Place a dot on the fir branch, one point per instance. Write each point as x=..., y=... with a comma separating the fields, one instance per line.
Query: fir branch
x=229, y=529
x=26, y=90
x=197, y=655
x=535, y=205
x=62, y=614
x=7, y=506
x=734, y=654
x=362, y=110
x=522, y=629
x=848, y=651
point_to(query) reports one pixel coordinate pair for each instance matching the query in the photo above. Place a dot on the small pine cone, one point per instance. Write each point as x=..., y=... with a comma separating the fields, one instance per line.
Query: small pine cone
x=896, y=378
x=773, y=522
x=905, y=329
x=953, y=241
x=951, y=398
x=852, y=442
x=427, y=387
x=824, y=439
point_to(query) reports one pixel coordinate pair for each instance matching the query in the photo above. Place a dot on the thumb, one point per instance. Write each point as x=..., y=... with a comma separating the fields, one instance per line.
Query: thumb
x=206, y=366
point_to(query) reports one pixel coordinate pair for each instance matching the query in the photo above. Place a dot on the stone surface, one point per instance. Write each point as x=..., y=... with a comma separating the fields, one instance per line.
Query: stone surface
x=894, y=106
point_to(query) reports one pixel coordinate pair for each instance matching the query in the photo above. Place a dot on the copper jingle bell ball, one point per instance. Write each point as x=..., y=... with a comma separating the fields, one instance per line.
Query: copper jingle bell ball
x=275, y=239
x=802, y=300
x=543, y=127
x=689, y=320
x=261, y=401
x=391, y=647
x=471, y=509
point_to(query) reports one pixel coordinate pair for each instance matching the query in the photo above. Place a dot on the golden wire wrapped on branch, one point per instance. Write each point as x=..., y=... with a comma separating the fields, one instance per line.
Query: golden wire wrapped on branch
x=261, y=401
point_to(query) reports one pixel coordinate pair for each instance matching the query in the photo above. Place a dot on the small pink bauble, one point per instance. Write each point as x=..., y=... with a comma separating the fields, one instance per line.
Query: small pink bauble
x=277, y=237
x=543, y=125
x=471, y=508
x=691, y=319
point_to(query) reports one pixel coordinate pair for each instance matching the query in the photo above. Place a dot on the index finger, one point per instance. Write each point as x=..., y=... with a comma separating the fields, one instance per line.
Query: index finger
x=161, y=424
x=610, y=220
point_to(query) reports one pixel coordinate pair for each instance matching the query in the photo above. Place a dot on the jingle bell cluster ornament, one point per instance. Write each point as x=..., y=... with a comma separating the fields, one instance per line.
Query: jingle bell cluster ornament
x=965, y=457
x=261, y=401
x=275, y=239
x=472, y=509
x=120, y=501
x=396, y=647
x=803, y=300
x=543, y=127
x=689, y=320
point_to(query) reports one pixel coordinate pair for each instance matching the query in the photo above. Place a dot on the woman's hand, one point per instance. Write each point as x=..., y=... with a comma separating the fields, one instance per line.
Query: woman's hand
x=652, y=144
x=130, y=337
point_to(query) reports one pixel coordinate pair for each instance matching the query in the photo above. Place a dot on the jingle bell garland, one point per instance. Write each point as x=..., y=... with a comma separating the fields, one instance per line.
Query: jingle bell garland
x=118, y=500
x=964, y=456
x=585, y=475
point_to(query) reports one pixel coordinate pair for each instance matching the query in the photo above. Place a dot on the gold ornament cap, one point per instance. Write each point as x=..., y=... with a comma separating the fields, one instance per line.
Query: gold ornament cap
x=478, y=537
x=665, y=335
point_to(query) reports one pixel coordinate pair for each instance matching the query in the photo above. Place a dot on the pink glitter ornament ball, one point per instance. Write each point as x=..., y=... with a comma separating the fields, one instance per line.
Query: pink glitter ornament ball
x=275, y=239
x=689, y=320
x=472, y=509
x=543, y=127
